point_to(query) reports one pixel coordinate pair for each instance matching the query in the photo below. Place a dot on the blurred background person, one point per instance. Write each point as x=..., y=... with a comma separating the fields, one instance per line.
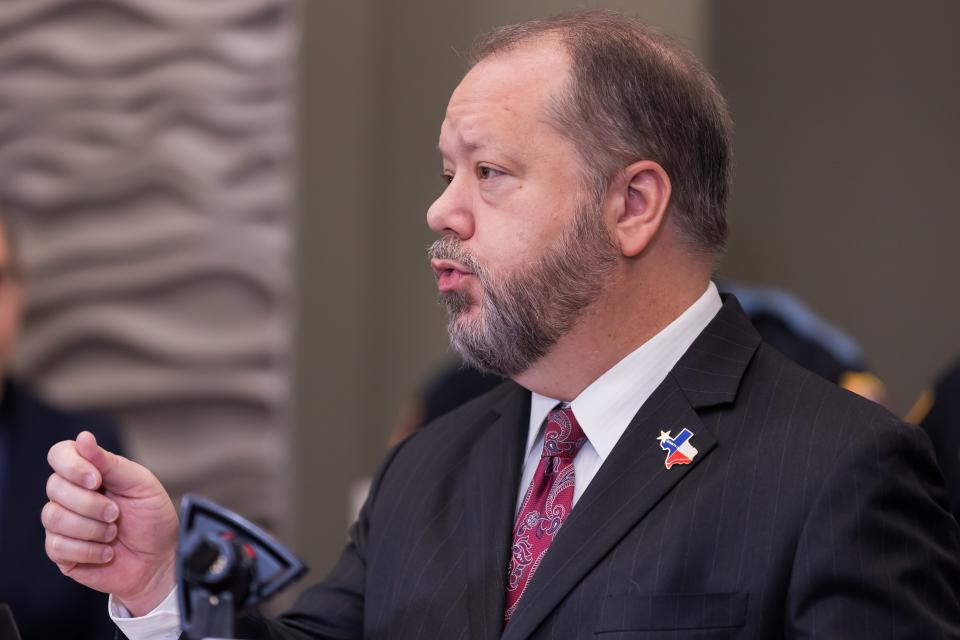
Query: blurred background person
x=45, y=604
x=937, y=411
x=800, y=333
x=446, y=389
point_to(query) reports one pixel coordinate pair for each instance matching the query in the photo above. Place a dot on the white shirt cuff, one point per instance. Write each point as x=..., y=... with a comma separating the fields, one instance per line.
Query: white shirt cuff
x=163, y=623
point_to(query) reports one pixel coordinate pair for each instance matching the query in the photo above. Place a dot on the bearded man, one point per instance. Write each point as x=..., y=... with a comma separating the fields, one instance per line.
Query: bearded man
x=652, y=469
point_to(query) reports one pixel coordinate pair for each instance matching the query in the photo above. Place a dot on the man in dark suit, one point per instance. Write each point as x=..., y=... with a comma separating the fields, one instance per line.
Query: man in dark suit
x=29, y=583
x=652, y=469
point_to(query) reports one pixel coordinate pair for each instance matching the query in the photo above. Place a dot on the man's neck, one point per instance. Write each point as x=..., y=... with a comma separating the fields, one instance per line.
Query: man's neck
x=607, y=332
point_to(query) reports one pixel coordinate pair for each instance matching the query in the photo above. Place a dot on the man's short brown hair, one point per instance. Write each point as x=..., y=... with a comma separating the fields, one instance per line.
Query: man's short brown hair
x=634, y=94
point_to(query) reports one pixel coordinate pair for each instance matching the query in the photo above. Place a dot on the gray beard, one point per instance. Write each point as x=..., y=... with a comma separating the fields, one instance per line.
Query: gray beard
x=524, y=314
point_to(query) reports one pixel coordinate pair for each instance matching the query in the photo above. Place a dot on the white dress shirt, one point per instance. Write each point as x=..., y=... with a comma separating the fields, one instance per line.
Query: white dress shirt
x=604, y=410
x=163, y=623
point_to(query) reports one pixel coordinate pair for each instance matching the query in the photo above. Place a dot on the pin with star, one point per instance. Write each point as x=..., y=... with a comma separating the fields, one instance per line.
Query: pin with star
x=679, y=450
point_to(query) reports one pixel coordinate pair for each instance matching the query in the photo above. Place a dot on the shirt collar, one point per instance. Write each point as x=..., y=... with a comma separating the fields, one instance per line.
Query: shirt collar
x=605, y=408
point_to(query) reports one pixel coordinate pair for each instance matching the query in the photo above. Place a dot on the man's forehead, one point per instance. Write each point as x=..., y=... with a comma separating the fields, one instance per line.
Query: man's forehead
x=509, y=87
x=471, y=129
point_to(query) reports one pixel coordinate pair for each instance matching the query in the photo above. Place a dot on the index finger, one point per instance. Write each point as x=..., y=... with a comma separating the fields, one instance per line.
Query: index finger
x=71, y=466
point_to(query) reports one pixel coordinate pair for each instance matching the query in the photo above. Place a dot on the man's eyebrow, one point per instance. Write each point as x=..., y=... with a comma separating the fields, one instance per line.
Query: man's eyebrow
x=461, y=143
x=470, y=145
x=467, y=141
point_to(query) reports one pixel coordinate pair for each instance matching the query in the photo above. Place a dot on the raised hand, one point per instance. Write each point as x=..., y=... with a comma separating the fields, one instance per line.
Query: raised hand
x=110, y=524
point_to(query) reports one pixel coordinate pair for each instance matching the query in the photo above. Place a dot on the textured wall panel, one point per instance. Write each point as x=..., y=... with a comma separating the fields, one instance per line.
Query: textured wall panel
x=148, y=149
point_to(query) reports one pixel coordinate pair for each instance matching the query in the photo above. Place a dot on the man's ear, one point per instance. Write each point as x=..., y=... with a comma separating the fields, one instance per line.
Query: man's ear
x=644, y=188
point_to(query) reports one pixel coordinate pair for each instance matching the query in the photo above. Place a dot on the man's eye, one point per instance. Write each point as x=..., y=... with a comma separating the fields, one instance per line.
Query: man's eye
x=485, y=173
x=447, y=178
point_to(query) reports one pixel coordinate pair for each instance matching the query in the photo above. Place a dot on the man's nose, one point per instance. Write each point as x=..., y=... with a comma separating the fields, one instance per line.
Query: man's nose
x=452, y=213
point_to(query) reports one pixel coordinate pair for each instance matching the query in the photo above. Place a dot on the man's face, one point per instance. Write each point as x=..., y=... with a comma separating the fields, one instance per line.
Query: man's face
x=524, y=248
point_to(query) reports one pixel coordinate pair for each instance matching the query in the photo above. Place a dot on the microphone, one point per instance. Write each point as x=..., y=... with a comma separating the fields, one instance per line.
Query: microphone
x=225, y=565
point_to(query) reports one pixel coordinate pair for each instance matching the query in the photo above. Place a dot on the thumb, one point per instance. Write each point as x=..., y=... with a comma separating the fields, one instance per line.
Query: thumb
x=118, y=473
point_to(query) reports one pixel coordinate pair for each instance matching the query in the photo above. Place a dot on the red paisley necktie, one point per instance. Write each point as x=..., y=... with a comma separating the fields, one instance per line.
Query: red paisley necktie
x=546, y=504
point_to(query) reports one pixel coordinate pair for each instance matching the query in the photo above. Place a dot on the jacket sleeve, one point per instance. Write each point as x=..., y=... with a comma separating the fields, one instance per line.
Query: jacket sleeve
x=878, y=554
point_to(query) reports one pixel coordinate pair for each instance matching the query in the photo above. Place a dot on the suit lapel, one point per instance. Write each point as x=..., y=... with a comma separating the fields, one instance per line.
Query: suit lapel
x=493, y=473
x=634, y=478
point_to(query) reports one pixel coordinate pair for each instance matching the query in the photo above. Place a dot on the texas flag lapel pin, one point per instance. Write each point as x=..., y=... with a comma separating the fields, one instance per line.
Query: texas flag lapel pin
x=679, y=450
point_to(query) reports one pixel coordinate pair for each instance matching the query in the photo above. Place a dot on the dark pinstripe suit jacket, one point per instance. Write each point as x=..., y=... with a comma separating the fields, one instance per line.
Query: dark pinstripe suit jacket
x=807, y=513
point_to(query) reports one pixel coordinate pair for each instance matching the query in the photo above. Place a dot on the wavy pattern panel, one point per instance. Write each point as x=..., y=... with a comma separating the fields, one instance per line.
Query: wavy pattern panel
x=148, y=150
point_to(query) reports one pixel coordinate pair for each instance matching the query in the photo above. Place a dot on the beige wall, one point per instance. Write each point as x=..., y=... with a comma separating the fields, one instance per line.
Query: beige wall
x=146, y=155
x=377, y=78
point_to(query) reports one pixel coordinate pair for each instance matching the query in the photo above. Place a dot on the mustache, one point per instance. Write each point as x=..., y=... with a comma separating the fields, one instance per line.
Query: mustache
x=451, y=248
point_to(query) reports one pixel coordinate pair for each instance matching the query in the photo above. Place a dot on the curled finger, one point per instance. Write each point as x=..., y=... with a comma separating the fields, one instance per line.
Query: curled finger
x=64, y=550
x=57, y=519
x=66, y=461
x=84, y=502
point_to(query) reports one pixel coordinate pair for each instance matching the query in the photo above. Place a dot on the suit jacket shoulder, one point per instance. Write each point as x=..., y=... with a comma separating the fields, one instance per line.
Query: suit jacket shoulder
x=834, y=505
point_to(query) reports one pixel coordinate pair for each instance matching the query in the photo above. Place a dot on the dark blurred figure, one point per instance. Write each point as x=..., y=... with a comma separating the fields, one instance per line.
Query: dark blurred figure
x=446, y=390
x=796, y=331
x=782, y=319
x=46, y=604
x=938, y=412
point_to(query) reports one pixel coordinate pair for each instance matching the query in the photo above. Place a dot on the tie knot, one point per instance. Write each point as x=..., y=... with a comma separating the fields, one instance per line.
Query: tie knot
x=563, y=435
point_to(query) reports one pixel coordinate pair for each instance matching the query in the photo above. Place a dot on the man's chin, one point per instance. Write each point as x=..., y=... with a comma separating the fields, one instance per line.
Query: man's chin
x=460, y=307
